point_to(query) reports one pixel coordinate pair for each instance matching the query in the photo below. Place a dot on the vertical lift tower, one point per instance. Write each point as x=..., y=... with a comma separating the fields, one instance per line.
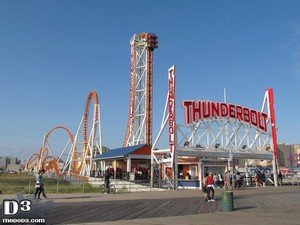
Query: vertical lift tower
x=139, y=124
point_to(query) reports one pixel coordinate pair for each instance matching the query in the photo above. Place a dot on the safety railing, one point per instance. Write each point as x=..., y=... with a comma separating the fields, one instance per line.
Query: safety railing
x=51, y=186
x=122, y=186
x=92, y=186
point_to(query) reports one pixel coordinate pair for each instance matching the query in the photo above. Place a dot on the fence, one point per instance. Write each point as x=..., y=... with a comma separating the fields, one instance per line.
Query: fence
x=12, y=186
x=294, y=180
x=93, y=186
x=51, y=186
x=122, y=175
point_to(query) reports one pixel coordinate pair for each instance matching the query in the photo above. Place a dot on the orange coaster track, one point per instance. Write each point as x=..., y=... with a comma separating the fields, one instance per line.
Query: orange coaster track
x=87, y=149
x=33, y=163
x=92, y=96
x=54, y=163
x=44, y=160
x=77, y=161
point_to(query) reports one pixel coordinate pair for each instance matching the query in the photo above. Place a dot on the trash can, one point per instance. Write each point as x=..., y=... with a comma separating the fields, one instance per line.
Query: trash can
x=227, y=201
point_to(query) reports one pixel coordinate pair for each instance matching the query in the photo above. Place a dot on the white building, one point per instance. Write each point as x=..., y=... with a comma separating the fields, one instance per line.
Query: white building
x=10, y=163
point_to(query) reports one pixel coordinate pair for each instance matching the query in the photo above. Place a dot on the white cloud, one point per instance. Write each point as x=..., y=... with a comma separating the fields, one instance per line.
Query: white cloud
x=295, y=48
x=292, y=46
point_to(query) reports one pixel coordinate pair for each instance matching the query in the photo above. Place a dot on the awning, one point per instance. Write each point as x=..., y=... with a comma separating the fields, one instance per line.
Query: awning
x=223, y=154
x=123, y=152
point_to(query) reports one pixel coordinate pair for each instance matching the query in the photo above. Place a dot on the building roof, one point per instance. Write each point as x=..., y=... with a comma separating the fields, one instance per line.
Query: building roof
x=119, y=152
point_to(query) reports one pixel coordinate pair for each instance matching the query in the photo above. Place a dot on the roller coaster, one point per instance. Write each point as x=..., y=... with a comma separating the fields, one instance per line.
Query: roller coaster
x=76, y=157
x=213, y=130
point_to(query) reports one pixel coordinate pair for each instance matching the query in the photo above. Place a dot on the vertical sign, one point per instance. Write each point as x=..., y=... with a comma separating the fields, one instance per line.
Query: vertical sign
x=273, y=122
x=171, y=104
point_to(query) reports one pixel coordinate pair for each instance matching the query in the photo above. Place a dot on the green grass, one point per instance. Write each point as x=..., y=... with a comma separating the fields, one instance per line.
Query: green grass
x=25, y=183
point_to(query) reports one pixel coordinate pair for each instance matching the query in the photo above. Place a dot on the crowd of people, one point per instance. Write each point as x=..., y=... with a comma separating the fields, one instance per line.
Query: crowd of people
x=227, y=180
x=213, y=181
x=236, y=180
x=141, y=173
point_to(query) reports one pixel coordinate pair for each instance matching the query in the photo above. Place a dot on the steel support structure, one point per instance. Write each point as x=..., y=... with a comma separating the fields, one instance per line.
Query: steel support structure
x=269, y=104
x=218, y=137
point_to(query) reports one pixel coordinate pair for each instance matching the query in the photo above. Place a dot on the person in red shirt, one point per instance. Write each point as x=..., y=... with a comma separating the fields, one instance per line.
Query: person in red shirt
x=210, y=187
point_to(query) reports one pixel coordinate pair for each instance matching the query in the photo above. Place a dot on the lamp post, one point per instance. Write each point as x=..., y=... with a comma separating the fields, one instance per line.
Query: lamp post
x=246, y=166
x=229, y=169
x=229, y=160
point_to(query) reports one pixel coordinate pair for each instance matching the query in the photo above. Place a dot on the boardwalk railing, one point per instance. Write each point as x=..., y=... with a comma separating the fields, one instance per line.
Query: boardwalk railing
x=59, y=186
x=94, y=185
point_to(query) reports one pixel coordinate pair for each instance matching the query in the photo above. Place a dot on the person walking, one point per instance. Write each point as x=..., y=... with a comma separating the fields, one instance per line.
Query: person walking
x=257, y=178
x=280, y=178
x=215, y=177
x=210, y=187
x=204, y=187
x=220, y=180
x=238, y=180
x=39, y=187
x=228, y=180
x=106, y=181
x=262, y=179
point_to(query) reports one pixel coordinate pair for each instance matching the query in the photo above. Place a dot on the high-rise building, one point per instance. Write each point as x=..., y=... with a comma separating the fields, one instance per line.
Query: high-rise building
x=289, y=155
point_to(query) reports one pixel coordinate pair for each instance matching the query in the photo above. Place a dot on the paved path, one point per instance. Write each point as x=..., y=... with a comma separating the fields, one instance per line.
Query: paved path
x=269, y=205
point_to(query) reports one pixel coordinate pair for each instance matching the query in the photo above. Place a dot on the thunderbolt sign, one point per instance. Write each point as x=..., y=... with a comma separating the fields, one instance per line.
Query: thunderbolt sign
x=195, y=111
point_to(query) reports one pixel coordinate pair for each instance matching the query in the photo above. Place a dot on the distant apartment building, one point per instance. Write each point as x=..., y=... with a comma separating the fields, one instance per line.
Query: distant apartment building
x=289, y=155
x=10, y=163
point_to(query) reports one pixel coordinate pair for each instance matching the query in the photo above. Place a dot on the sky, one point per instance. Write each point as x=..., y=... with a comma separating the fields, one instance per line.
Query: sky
x=53, y=53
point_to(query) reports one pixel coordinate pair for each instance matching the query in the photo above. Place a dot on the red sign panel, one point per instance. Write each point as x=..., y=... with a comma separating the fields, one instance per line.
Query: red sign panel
x=171, y=104
x=273, y=121
x=195, y=111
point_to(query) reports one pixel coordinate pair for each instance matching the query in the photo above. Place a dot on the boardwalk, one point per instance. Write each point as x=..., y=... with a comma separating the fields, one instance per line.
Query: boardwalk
x=252, y=206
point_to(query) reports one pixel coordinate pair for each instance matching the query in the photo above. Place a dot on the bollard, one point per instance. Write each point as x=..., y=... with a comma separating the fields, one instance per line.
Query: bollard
x=227, y=201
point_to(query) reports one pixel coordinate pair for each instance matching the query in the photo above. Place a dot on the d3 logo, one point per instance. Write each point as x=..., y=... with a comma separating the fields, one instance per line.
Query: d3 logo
x=11, y=207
